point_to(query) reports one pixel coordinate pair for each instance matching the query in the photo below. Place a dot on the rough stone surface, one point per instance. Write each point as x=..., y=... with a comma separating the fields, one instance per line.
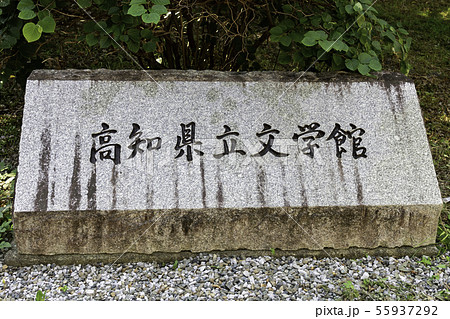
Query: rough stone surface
x=154, y=202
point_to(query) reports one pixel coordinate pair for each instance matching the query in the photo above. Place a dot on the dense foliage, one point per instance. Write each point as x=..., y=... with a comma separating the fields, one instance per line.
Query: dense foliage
x=204, y=34
x=7, y=178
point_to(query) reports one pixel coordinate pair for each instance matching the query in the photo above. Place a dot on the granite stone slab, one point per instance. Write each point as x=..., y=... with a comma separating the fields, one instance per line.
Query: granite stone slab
x=205, y=160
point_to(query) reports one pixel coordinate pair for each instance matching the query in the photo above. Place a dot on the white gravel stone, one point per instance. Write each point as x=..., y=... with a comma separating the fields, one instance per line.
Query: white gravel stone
x=206, y=277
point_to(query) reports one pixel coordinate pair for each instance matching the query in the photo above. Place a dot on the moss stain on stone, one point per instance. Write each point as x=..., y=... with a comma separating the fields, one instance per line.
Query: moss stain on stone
x=75, y=185
x=114, y=176
x=202, y=175
x=41, y=200
x=150, y=88
x=98, y=97
x=261, y=186
x=213, y=95
x=92, y=189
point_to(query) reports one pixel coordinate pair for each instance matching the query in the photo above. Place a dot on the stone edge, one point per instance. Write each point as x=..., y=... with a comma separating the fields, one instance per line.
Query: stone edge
x=211, y=76
x=38, y=231
x=13, y=258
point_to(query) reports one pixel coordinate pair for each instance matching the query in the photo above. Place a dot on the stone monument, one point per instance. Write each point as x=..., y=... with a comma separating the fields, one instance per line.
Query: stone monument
x=134, y=165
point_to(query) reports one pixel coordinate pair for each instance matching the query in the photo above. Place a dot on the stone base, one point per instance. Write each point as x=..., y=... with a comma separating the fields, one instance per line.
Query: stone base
x=99, y=236
x=12, y=258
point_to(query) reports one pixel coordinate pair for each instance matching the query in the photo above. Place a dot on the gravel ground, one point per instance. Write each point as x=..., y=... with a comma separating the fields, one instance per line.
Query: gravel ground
x=210, y=277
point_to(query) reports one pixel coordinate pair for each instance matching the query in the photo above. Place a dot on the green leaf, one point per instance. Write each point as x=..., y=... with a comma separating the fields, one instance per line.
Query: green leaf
x=286, y=40
x=105, y=42
x=340, y=46
x=159, y=9
x=358, y=7
x=7, y=43
x=397, y=47
x=309, y=42
x=4, y=3
x=284, y=58
x=276, y=30
x=146, y=33
x=113, y=11
x=376, y=45
x=352, y=64
x=84, y=3
x=42, y=14
x=316, y=35
x=326, y=17
x=133, y=46
x=382, y=22
x=91, y=39
x=364, y=58
x=363, y=69
x=287, y=8
x=25, y=4
x=298, y=57
x=275, y=38
x=408, y=44
x=32, y=32
x=287, y=24
x=326, y=45
x=328, y=25
x=349, y=9
x=27, y=14
x=149, y=46
x=403, y=31
x=134, y=34
x=390, y=35
x=315, y=21
x=338, y=60
x=161, y=2
x=360, y=21
x=138, y=2
x=48, y=24
x=296, y=37
x=375, y=65
x=89, y=26
x=4, y=245
x=151, y=17
x=136, y=10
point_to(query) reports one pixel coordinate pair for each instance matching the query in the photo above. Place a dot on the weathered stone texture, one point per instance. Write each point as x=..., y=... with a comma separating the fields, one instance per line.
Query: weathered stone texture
x=155, y=202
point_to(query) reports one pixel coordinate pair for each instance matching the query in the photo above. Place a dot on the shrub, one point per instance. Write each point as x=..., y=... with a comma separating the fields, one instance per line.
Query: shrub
x=7, y=178
x=230, y=36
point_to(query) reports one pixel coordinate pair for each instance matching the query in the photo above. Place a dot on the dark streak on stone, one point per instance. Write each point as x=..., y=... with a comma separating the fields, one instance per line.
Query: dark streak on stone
x=52, y=196
x=332, y=177
x=390, y=87
x=219, y=195
x=283, y=179
x=186, y=222
x=391, y=103
x=261, y=186
x=177, y=197
x=41, y=200
x=212, y=76
x=92, y=189
x=114, y=185
x=302, y=183
x=75, y=187
x=149, y=195
x=202, y=173
x=341, y=92
x=359, y=188
x=341, y=170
